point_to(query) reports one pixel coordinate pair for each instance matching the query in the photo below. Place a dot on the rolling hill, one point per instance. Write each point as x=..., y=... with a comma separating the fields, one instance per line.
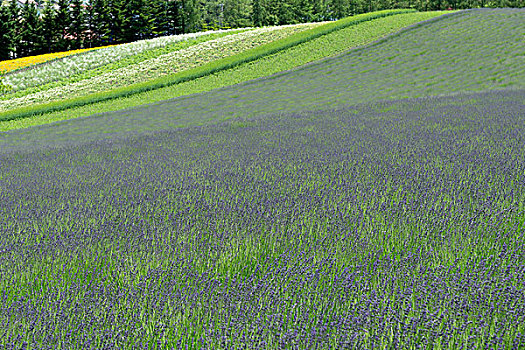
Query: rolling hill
x=370, y=198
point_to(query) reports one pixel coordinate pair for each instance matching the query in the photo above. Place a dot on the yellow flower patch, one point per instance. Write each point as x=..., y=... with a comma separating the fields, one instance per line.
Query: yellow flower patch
x=23, y=62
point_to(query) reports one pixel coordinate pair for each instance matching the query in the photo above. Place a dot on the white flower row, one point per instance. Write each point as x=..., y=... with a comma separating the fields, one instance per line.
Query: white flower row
x=171, y=63
x=70, y=65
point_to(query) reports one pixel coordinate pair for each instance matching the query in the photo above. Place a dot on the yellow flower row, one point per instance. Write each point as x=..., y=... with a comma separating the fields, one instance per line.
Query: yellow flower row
x=9, y=65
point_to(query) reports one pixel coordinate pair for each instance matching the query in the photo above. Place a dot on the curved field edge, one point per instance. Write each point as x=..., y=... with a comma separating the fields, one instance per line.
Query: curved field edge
x=195, y=73
x=397, y=66
x=397, y=211
x=114, y=64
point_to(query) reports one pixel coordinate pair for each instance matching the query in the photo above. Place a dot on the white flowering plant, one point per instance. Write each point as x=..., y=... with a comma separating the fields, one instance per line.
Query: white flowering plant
x=163, y=65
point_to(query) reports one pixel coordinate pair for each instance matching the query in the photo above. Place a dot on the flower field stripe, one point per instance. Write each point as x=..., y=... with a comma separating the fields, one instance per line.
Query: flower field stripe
x=136, y=58
x=29, y=62
x=400, y=66
x=68, y=66
x=210, y=68
x=130, y=70
x=325, y=46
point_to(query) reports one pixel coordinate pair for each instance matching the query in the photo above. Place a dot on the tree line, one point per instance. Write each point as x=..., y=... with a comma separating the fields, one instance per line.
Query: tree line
x=33, y=27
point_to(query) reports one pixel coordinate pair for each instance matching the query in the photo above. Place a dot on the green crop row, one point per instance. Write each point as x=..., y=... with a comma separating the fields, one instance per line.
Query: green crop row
x=210, y=68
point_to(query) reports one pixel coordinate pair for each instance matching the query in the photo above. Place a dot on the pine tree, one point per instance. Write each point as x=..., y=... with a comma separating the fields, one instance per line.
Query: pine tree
x=99, y=22
x=48, y=26
x=209, y=14
x=118, y=21
x=237, y=13
x=15, y=27
x=272, y=12
x=174, y=17
x=136, y=21
x=5, y=35
x=258, y=12
x=286, y=12
x=89, y=17
x=190, y=16
x=62, y=26
x=339, y=9
x=158, y=14
x=303, y=11
x=77, y=24
x=31, y=42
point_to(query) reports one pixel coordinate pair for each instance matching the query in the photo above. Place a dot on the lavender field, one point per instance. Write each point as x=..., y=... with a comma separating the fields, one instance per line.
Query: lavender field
x=377, y=226
x=276, y=223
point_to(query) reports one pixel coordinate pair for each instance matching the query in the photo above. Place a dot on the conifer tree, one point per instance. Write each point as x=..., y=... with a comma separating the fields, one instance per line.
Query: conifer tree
x=158, y=13
x=31, y=34
x=118, y=21
x=77, y=25
x=286, y=12
x=259, y=13
x=62, y=26
x=303, y=11
x=5, y=35
x=99, y=22
x=15, y=26
x=237, y=13
x=48, y=26
x=174, y=22
x=339, y=9
x=136, y=24
x=190, y=16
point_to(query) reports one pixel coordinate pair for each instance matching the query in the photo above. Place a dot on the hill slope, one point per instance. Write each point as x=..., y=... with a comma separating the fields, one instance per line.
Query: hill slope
x=442, y=57
x=377, y=216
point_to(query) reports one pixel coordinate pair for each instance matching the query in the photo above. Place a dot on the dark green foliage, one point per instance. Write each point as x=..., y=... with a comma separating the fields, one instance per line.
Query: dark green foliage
x=31, y=42
x=5, y=35
x=48, y=27
x=102, y=22
x=14, y=26
x=158, y=17
x=136, y=24
x=236, y=13
x=78, y=25
x=99, y=23
x=62, y=25
x=190, y=16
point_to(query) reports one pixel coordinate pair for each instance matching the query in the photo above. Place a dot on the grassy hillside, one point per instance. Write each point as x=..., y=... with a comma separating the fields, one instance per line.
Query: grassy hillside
x=97, y=72
x=336, y=206
x=75, y=68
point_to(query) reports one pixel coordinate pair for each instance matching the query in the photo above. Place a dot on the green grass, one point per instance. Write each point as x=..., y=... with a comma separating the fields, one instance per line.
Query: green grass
x=165, y=65
x=191, y=74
